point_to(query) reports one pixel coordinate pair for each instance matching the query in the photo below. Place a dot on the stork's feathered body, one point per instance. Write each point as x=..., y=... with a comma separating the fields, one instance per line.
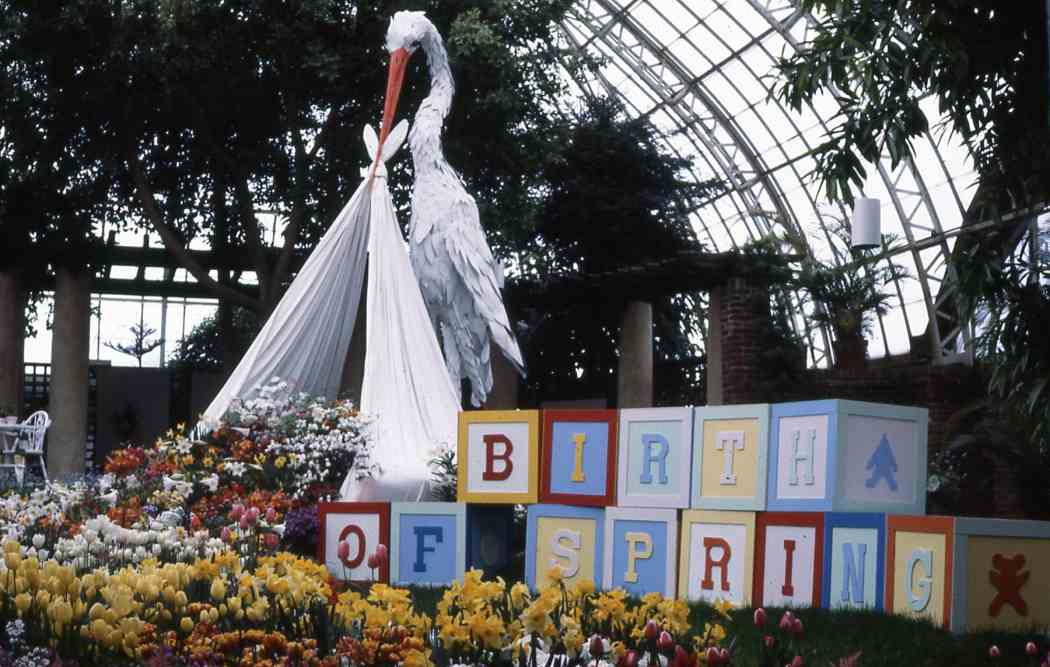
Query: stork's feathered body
x=458, y=276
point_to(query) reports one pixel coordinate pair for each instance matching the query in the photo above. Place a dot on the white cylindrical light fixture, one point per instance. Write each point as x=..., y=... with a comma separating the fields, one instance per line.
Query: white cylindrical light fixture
x=865, y=231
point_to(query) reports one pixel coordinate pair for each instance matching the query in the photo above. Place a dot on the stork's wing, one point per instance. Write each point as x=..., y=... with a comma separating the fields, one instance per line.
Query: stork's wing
x=478, y=270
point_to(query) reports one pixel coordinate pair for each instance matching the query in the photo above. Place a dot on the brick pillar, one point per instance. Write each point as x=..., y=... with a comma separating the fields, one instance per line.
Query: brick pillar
x=739, y=316
x=70, y=347
x=12, y=341
x=635, y=373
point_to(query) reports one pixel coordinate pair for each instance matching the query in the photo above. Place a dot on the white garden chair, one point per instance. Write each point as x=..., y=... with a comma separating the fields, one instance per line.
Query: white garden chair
x=31, y=443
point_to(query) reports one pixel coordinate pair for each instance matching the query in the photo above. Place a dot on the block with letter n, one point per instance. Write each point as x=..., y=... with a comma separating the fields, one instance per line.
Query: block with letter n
x=717, y=557
x=641, y=550
x=363, y=526
x=569, y=537
x=655, y=457
x=1001, y=575
x=919, y=566
x=499, y=456
x=428, y=543
x=847, y=456
x=578, y=465
x=729, y=457
x=789, y=559
x=854, y=560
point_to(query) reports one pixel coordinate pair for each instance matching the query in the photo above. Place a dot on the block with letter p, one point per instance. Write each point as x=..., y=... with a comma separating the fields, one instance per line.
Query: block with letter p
x=571, y=538
x=499, y=456
x=789, y=559
x=854, y=560
x=655, y=457
x=363, y=526
x=717, y=560
x=919, y=565
x=428, y=543
x=641, y=550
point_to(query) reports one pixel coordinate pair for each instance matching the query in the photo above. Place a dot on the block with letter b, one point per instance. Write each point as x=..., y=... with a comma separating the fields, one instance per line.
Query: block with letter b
x=363, y=526
x=578, y=464
x=641, y=550
x=499, y=456
x=729, y=457
x=919, y=565
x=569, y=537
x=847, y=456
x=717, y=556
x=854, y=560
x=428, y=543
x=655, y=457
x=1001, y=574
x=789, y=559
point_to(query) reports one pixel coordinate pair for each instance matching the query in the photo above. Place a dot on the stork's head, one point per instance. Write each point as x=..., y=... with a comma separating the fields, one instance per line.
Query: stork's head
x=403, y=37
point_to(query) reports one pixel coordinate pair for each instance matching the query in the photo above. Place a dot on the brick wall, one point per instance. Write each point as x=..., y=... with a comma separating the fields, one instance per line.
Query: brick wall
x=745, y=317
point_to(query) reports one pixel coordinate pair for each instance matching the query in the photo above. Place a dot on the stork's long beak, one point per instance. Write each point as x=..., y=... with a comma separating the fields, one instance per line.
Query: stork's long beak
x=398, y=62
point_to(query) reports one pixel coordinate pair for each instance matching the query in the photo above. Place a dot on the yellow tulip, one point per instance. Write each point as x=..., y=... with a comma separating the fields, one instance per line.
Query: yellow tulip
x=22, y=602
x=186, y=624
x=218, y=589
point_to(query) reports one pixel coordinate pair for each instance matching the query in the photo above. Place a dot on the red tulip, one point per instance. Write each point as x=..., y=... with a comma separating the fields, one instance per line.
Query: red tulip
x=760, y=618
x=797, y=662
x=629, y=659
x=787, y=621
x=797, y=628
x=195, y=522
x=343, y=550
x=225, y=535
x=236, y=511
x=681, y=657
x=381, y=553
x=596, y=649
x=665, y=642
x=271, y=515
x=651, y=630
x=243, y=523
x=373, y=562
x=713, y=658
x=723, y=656
x=253, y=515
x=994, y=652
x=770, y=641
x=1031, y=649
x=271, y=540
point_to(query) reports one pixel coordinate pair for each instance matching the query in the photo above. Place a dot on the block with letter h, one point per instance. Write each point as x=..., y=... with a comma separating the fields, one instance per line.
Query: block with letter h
x=854, y=560
x=1001, y=572
x=428, y=543
x=730, y=445
x=579, y=457
x=499, y=456
x=641, y=549
x=717, y=556
x=654, y=458
x=363, y=526
x=847, y=456
x=919, y=564
x=789, y=559
x=571, y=538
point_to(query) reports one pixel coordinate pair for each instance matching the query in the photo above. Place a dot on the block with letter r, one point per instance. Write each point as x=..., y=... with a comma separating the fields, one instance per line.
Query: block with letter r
x=428, y=543
x=717, y=556
x=499, y=456
x=655, y=457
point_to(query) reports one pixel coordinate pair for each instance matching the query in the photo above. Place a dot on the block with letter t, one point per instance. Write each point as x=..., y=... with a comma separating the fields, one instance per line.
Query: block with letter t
x=789, y=559
x=655, y=457
x=854, y=560
x=499, y=456
x=730, y=446
x=428, y=543
x=847, y=456
x=717, y=556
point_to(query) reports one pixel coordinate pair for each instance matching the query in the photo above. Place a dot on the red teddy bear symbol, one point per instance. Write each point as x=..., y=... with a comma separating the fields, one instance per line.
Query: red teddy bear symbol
x=1008, y=582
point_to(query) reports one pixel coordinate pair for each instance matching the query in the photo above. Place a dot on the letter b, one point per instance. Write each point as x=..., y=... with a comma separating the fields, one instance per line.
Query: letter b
x=491, y=474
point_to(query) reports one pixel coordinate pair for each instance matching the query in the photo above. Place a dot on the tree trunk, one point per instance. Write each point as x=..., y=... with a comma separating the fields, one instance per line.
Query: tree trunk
x=71, y=342
x=851, y=352
x=12, y=341
x=635, y=373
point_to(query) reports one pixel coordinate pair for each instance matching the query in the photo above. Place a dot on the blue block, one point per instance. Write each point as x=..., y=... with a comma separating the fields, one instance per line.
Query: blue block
x=428, y=543
x=854, y=560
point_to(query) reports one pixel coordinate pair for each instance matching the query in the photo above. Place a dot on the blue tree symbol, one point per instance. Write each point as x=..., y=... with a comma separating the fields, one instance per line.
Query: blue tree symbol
x=883, y=465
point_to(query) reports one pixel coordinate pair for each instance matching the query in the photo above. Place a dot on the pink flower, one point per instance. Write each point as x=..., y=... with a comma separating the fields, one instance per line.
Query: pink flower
x=236, y=511
x=226, y=534
x=1031, y=649
x=797, y=662
x=381, y=554
x=253, y=515
x=760, y=617
x=373, y=562
x=271, y=515
x=271, y=540
x=787, y=621
x=796, y=627
x=629, y=659
x=665, y=642
x=994, y=652
x=723, y=656
x=770, y=641
x=713, y=658
x=343, y=550
x=595, y=648
x=243, y=523
x=651, y=630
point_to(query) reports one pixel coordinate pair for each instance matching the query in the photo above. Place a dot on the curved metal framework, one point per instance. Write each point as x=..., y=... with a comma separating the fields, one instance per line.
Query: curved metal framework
x=703, y=72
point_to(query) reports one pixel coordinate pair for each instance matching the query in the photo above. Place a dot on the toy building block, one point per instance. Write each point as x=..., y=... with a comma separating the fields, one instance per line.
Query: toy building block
x=1001, y=575
x=569, y=537
x=641, y=550
x=578, y=465
x=919, y=566
x=429, y=543
x=730, y=444
x=655, y=456
x=363, y=526
x=499, y=456
x=789, y=559
x=854, y=560
x=847, y=456
x=490, y=535
x=717, y=556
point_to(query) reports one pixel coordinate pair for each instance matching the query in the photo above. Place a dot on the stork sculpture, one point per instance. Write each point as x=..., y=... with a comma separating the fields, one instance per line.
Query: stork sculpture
x=458, y=276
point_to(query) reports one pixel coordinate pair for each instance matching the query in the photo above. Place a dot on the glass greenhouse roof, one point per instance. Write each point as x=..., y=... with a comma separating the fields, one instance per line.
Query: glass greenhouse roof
x=703, y=72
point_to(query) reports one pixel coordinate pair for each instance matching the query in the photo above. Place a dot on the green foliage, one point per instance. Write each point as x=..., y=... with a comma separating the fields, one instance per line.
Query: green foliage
x=201, y=349
x=141, y=343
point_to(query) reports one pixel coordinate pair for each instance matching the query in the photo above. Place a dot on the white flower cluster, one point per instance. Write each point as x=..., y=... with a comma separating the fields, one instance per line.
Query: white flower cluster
x=19, y=512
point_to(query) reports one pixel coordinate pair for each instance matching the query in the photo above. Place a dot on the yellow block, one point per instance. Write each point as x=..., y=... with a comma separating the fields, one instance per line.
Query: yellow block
x=546, y=527
x=981, y=592
x=909, y=583
x=745, y=462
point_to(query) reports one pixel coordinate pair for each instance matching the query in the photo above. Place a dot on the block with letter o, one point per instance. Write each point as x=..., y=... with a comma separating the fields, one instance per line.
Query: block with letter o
x=499, y=456
x=363, y=526
x=919, y=565
x=569, y=537
x=428, y=543
x=717, y=557
x=655, y=457
x=641, y=550
x=578, y=465
x=789, y=559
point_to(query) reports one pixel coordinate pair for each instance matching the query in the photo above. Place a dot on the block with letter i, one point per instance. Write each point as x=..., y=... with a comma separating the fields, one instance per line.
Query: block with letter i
x=1001, y=575
x=717, y=556
x=654, y=457
x=641, y=549
x=428, y=543
x=499, y=456
x=854, y=560
x=847, y=456
x=363, y=526
x=789, y=559
x=729, y=457
x=578, y=465
x=919, y=564
x=569, y=537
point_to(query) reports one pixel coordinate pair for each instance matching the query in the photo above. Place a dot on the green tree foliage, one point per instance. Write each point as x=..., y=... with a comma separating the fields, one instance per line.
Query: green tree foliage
x=201, y=349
